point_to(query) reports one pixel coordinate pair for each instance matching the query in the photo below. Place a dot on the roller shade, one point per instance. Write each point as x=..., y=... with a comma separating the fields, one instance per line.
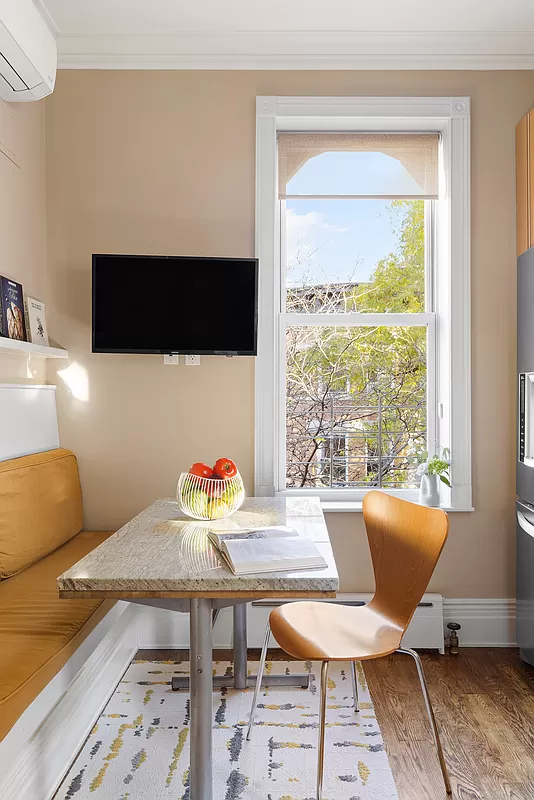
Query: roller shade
x=415, y=175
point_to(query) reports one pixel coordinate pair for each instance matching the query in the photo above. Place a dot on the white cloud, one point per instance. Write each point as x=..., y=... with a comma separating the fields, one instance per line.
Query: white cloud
x=307, y=234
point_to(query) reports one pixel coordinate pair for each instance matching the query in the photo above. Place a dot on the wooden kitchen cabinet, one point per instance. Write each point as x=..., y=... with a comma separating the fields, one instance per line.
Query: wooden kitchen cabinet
x=525, y=182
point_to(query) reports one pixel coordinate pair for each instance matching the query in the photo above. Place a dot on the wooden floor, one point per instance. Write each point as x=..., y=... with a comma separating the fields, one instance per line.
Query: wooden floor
x=484, y=704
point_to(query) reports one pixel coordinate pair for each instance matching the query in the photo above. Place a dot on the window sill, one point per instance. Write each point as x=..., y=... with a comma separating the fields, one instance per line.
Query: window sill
x=344, y=506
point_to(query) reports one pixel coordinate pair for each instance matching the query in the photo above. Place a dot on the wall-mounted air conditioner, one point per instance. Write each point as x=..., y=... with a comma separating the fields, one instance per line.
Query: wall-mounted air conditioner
x=28, y=52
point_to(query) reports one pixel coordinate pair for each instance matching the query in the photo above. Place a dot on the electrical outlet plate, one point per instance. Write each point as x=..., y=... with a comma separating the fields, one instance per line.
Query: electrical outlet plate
x=169, y=359
x=192, y=361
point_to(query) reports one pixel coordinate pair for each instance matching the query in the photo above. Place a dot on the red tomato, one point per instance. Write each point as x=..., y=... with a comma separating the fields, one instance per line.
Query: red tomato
x=202, y=470
x=225, y=467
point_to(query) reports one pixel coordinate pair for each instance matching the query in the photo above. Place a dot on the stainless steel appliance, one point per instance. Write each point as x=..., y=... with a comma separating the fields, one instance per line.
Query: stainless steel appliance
x=525, y=456
x=525, y=580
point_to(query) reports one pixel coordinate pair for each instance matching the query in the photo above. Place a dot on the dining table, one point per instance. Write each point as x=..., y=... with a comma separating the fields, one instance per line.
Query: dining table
x=163, y=558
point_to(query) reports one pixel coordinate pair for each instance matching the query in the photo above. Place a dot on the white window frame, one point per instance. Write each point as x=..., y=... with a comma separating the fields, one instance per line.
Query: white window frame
x=449, y=411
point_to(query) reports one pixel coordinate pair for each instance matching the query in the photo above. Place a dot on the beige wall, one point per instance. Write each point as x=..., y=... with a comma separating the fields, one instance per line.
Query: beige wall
x=163, y=162
x=23, y=217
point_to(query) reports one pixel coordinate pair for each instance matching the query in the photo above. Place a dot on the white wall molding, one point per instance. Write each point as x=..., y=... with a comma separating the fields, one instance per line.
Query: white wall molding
x=485, y=622
x=309, y=50
x=47, y=16
x=37, y=752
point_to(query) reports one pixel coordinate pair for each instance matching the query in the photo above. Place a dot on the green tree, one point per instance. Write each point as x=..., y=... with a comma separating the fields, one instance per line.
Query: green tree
x=397, y=284
x=356, y=396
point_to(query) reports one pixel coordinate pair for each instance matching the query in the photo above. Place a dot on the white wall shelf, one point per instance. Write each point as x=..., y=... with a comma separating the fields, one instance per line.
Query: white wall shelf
x=15, y=346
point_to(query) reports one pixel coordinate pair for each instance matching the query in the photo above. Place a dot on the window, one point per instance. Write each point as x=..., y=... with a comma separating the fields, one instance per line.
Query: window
x=356, y=231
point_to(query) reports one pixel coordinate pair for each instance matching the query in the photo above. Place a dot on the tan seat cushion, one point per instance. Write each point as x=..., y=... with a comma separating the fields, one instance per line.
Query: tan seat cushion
x=40, y=507
x=38, y=631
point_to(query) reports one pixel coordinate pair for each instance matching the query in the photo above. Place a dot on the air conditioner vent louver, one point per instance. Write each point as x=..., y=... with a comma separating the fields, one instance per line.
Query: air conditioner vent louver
x=11, y=76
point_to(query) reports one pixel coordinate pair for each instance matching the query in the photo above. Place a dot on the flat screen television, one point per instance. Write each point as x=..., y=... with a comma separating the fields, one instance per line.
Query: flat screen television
x=175, y=304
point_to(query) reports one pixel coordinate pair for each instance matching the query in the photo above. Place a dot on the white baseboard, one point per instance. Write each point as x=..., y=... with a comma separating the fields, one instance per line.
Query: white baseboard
x=485, y=622
x=37, y=752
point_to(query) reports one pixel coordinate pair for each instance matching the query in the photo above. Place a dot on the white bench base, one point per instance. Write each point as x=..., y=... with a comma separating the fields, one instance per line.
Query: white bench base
x=39, y=749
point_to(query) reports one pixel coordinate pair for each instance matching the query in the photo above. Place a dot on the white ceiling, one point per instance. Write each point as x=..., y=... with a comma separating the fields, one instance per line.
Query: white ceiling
x=482, y=34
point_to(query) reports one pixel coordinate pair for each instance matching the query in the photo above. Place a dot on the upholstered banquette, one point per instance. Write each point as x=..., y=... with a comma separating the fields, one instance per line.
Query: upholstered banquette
x=41, y=520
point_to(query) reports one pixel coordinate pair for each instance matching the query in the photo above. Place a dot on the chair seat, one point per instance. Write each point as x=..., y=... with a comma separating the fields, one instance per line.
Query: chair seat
x=331, y=632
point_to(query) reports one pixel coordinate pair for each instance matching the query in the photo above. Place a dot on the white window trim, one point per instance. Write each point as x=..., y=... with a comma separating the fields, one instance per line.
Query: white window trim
x=451, y=117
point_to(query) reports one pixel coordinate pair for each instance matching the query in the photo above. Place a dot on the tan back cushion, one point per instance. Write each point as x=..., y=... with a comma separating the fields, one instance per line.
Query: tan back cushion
x=40, y=507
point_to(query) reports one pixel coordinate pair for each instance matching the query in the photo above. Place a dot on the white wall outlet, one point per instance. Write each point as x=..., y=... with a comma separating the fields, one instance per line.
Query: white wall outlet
x=192, y=361
x=168, y=359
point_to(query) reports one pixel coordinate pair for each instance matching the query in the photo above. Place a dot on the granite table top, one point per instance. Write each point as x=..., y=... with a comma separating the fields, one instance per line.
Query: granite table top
x=164, y=553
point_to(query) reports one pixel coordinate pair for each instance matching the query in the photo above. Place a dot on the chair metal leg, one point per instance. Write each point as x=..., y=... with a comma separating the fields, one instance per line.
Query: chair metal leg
x=430, y=712
x=259, y=679
x=354, y=685
x=322, y=726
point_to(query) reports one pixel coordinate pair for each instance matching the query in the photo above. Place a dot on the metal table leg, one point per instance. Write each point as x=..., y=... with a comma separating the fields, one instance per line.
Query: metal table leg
x=239, y=679
x=240, y=646
x=200, y=761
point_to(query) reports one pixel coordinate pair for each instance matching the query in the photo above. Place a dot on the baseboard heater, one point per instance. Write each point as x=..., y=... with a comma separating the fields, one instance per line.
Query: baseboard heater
x=158, y=628
x=425, y=630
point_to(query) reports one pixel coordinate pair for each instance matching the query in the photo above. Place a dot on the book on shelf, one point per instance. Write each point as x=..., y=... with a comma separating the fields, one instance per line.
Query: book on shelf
x=273, y=554
x=34, y=314
x=12, y=322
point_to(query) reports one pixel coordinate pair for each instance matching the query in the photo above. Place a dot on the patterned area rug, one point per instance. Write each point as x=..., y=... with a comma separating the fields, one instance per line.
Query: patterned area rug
x=139, y=748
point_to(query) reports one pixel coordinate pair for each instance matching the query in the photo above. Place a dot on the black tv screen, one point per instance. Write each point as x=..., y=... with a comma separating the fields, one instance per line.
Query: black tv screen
x=175, y=304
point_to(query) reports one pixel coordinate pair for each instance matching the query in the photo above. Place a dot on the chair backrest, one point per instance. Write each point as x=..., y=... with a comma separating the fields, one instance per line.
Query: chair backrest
x=406, y=541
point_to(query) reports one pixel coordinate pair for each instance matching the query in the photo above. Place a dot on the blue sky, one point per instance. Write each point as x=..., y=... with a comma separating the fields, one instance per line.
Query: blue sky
x=336, y=240
x=342, y=240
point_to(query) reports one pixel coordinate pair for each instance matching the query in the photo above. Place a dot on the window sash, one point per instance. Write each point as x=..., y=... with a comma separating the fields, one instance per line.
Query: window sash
x=356, y=197
x=285, y=321
x=430, y=257
x=358, y=320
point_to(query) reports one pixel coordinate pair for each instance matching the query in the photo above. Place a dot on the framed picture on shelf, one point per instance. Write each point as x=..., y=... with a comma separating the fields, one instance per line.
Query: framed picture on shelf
x=12, y=322
x=36, y=321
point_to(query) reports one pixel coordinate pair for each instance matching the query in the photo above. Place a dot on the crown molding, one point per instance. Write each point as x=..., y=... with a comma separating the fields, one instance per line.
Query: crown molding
x=308, y=50
x=47, y=16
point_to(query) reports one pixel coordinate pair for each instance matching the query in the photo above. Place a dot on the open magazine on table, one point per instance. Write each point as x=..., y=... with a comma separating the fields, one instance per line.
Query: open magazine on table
x=276, y=548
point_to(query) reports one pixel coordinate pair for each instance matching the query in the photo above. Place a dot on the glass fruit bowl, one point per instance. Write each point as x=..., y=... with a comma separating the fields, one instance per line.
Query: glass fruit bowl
x=208, y=498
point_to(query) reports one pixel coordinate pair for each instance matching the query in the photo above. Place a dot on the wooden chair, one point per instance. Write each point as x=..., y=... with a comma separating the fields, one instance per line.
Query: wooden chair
x=406, y=541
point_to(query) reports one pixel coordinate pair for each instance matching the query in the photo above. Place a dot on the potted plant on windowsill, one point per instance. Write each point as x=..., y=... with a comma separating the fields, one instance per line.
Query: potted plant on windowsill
x=432, y=470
